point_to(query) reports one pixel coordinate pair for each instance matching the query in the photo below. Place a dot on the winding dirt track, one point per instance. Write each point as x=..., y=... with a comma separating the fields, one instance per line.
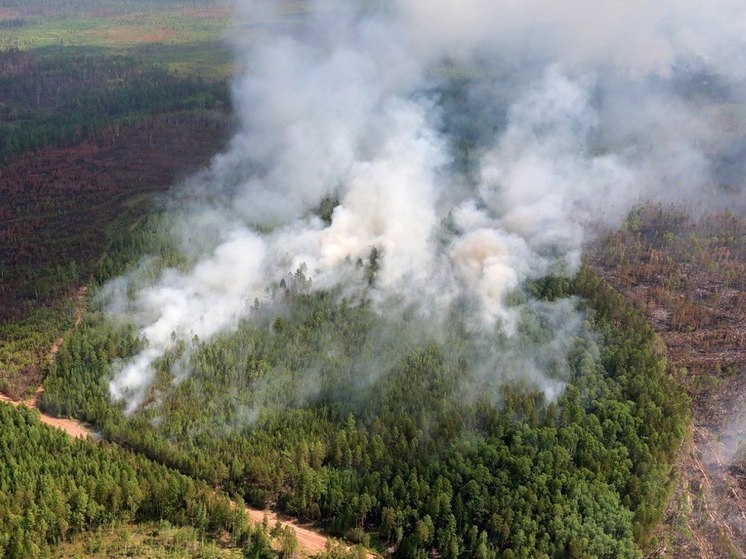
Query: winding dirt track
x=310, y=541
x=72, y=427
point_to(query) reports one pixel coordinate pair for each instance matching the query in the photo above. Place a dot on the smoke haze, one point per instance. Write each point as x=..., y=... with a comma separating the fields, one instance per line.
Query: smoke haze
x=471, y=144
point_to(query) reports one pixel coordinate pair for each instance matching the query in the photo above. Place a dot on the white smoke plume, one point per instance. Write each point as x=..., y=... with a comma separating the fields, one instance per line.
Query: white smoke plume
x=571, y=113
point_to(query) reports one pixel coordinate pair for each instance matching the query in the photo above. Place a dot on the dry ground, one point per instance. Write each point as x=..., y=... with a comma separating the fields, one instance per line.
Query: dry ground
x=689, y=278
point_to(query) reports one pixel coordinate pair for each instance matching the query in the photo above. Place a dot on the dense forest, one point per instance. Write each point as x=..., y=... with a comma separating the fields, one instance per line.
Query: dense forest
x=415, y=440
x=463, y=468
x=52, y=487
x=72, y=121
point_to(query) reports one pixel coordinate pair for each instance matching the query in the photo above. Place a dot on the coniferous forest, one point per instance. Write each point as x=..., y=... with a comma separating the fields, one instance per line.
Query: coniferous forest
x=407, y=459
x=594, y=415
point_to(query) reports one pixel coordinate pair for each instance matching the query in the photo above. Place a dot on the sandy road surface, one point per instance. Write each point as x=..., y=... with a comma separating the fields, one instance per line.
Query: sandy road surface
x=72, y=427
x=310, y=542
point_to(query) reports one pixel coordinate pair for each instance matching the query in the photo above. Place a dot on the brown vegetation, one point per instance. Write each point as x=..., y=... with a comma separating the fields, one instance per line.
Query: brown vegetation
x=60, y=207
x=59, y=202
x=9, y=14
x=689, y=278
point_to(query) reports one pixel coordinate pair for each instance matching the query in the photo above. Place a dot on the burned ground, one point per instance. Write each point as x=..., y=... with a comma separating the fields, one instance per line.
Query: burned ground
x=689, y=278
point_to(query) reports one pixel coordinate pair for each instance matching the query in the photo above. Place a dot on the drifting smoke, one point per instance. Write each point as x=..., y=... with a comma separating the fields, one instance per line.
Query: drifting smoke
x=470, y=143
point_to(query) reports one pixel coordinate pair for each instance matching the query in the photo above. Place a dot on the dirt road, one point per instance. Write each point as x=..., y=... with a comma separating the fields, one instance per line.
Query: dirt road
x=310, y=542
x=72, y=427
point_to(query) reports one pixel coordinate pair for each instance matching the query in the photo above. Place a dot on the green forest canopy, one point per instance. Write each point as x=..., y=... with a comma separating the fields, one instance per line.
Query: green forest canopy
x=504, y=475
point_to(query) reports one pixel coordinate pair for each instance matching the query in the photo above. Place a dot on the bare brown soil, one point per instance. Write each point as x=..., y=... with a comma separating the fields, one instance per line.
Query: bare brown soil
x=689, y=278
x=310, y=541
x=72, y=427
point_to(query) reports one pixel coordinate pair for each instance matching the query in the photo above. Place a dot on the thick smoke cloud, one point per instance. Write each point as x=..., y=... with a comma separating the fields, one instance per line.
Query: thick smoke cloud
x=469, y=143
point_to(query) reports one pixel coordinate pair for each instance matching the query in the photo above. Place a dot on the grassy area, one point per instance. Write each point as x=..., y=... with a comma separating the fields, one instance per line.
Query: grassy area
x=210, y=59
x=173, y=27
x=182, y=35
x=158, y=540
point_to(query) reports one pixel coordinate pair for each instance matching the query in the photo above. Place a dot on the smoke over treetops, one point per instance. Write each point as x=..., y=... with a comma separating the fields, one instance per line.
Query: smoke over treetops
x=467, y=146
